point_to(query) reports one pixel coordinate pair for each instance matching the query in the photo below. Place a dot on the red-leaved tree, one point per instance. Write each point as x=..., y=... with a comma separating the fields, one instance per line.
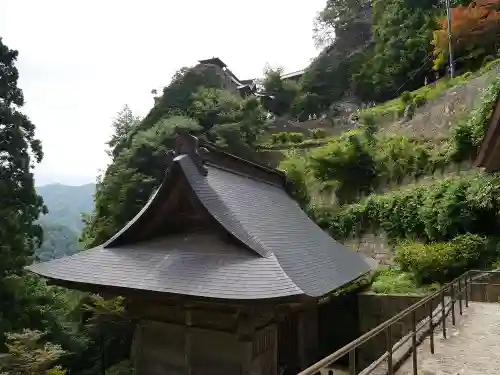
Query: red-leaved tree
x=475, y=34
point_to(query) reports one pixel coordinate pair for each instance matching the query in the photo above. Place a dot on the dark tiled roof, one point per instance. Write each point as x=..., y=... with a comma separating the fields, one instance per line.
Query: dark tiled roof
x=281, y=252
x=215, y=61
x=293, y=74
x=192, y=264
x=268, y=220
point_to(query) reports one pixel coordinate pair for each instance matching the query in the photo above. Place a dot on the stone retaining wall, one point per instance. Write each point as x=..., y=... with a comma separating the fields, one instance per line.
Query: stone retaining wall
x=375, y=309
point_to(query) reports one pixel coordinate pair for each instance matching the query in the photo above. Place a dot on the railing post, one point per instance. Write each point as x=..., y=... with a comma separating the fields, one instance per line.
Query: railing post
x=466, y=291
x=388, y=341
x=460, y=297
x=452, y=303
x=352, y=362
x=443, y=314
x=431, y=328
x=414, y=342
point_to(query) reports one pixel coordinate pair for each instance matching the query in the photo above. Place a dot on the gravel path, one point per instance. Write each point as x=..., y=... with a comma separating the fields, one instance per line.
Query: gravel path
x=472, y=346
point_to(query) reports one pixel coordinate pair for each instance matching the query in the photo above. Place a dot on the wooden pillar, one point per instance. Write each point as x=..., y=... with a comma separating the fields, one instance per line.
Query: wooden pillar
x=308, y=336
x=188, y=342
x=245, y=333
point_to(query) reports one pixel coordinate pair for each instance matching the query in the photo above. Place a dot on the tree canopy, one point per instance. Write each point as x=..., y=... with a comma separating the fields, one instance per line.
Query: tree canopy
x=19, y=151
x=195, y=101
x=476, y=31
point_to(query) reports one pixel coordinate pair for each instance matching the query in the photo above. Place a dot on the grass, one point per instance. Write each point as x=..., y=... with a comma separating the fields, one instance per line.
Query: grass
x=397, y=106
x=393, y=281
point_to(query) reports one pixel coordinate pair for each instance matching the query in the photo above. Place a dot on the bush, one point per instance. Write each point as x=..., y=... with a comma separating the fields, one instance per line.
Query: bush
x=442, y=261
x=297, y=175
x=393, y=281
x=285, y=138
x=318, y=133
x=433, y=212
x=468, y=133
x=295, y=137
x=277, y=138
x=419, y=100
x=347, y=164
x=467, y=76
x=406, y=97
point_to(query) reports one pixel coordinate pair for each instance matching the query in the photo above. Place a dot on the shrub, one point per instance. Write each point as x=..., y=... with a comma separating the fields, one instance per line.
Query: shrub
x=467, y=76
x=295, y=137
x=433, y=212
x=468, y=133
x=347, y=164
x=318, y=133
x=419, y=100
x=277, y=138
x=297, y=175
x=406, y=97
x=393, y=281
x=409, y=111
x=441, y=261
x=369, y=123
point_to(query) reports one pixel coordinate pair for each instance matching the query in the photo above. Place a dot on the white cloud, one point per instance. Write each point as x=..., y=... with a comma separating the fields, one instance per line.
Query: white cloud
x=80, y=61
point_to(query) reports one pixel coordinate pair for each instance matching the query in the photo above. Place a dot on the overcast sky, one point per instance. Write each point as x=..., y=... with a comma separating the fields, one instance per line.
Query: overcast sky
x=81, y=61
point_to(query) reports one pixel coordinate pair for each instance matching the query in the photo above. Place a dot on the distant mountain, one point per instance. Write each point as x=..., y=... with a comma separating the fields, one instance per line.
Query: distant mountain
x=58, y=241
x=66, y=204
x=63, y=224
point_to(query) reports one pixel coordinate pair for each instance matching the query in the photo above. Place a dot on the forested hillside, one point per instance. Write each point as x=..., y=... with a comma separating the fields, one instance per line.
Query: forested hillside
x=63, y=223
x=382, y=50
x=66, y=204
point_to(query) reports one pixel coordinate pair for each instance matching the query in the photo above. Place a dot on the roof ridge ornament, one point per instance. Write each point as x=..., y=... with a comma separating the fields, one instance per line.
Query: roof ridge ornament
x=187, y=144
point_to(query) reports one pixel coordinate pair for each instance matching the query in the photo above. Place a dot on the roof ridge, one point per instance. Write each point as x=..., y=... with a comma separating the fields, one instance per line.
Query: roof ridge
x=235, y=171
x=239, y=232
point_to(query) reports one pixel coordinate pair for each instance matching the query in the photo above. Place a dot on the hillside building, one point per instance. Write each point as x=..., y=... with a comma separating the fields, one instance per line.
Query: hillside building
x=221, y=268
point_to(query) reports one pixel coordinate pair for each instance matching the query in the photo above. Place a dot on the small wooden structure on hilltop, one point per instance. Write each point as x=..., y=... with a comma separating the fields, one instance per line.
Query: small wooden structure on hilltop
x=221, y=268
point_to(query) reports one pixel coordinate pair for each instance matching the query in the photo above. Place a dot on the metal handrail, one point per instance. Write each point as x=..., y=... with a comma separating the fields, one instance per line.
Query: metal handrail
x=464, y=280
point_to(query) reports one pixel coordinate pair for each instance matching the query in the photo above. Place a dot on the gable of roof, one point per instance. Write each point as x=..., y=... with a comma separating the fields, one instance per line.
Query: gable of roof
x=274, y=244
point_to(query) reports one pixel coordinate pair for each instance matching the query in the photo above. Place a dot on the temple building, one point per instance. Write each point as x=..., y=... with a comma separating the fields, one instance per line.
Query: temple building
x=221, y=268
x=229, y=81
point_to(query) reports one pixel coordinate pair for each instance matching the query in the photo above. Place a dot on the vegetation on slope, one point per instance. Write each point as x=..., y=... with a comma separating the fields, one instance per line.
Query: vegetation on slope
x=139, y=162
x=66, y=204
x=58, y=241
x=383, y=48
x=359, y=162
x=440, y=228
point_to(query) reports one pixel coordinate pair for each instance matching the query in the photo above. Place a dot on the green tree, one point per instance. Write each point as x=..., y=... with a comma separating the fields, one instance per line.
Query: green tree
x=326, y=80
x=401, y=55
x=347, y=22
x=123, y=124
x=212, y=106
x=131, y=178
x=178, y=95
x=242, y=137
x=284, y=92
x=139, y=167
x=28, y=356
x=19, y=149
